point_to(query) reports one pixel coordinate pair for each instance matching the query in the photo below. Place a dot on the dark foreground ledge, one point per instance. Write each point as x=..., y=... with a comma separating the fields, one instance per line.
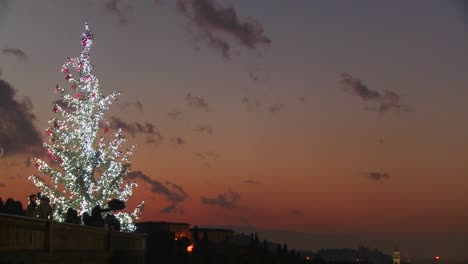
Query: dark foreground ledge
x=28, y=240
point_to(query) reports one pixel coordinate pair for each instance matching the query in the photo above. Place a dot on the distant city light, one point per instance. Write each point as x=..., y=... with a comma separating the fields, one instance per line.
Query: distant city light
x=437, y=258
x=308, y=258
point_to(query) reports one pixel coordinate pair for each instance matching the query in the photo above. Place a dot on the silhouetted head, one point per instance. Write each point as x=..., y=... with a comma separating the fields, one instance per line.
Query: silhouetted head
x=32, y=198
x=96, y=211
x=45, y=200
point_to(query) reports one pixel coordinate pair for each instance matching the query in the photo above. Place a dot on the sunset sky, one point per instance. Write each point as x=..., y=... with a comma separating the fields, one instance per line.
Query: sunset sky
x=334, y=123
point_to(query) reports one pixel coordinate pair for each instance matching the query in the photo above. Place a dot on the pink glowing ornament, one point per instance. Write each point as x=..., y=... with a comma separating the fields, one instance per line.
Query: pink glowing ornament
x=79, y=95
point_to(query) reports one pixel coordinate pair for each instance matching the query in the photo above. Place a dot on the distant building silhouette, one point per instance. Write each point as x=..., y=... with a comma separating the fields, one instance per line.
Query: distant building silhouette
x=213, y=235
x=180, y=230
x=396, y=256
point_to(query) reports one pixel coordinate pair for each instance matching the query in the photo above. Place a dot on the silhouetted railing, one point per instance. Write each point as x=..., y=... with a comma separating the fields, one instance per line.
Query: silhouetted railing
x=41, y=241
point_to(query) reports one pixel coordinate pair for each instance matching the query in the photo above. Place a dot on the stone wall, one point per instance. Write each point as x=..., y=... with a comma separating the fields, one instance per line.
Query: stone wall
x=28, y=240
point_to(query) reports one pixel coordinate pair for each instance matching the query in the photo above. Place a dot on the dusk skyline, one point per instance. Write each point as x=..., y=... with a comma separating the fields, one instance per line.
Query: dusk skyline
x=343, y=122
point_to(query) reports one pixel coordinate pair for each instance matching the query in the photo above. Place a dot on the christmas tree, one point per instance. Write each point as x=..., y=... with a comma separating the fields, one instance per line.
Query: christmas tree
x=86, y=169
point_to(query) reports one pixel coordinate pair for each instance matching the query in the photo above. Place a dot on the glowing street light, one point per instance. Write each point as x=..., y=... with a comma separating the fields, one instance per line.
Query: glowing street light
x=190, y=248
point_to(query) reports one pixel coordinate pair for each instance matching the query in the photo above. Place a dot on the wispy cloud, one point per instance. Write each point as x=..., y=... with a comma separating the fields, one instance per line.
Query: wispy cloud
x=275, y=108
x=377, y=176
x=259, y=75
x=178, y=140
x=18, y=53
x=206, y=129
x=147, y=129
x=250, y=103
x=62, y=105
x=131, y=128
x=137, y=104
x=174, y=115
x=385, y=101
x=207, y=157
x=252, y=182
x=197, y=102
x=116, y=7
x=174, y=193
x=18, y=135
x=212, y=22
x=228, y=200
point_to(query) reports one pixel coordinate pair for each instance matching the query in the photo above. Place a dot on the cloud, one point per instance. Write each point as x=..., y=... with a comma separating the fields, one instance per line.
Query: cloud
x=378, y=176
x=132, y=128
x=62, y=105
x=228, y=200
x=174, y=193
x=207, y=157
x=148, y=129
x=204, y=129
x=251, y=103
x=274, y=108
x=137, y=104
x=174, y=115
x=178, y=140
x=251, y=182
x=156, y=138
x=18, y=53
x=259, y=75
x=213, y=21
x=115, y=7
x=18, y=135
x=196, y=101
x=386, y=100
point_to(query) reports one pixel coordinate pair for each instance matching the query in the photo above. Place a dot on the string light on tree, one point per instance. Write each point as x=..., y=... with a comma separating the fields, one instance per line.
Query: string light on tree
x=86, y=169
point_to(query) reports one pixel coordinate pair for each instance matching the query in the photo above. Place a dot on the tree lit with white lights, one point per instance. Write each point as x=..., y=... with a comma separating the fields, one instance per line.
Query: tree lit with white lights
x=87, y=168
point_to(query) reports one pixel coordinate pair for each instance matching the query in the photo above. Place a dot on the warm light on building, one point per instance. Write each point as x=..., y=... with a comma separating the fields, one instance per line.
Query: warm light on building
x=190, y=248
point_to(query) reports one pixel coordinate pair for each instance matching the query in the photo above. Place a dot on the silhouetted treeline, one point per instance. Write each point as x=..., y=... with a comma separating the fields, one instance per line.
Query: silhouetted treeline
x=12, y=207
x=362, y=255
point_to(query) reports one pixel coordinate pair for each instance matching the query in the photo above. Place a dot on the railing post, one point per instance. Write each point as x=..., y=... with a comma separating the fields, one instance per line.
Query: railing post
x=109, y=240
x=49, y=237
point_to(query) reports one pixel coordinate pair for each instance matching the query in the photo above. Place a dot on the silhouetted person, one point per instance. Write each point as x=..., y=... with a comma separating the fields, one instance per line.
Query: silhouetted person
x=44, y=210
x=87, y=219
x=257, y=241
x=95, y=219
x=285, y=249
x=31, y=205
x=12, y=207
x=196, y=235
x=72, y=217
x=112, y=222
